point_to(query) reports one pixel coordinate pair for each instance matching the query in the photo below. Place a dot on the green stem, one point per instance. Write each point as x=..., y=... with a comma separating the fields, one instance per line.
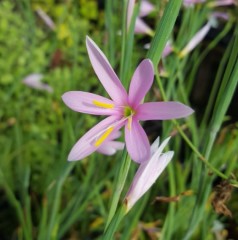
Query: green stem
x=169, y=222
x=108, y=234
x=127, y=45
x=43, y=222
x=15, y=203
x=123, y=45
x=119, y=184
x=53, y=223
x=110, y=30
x=163, y=31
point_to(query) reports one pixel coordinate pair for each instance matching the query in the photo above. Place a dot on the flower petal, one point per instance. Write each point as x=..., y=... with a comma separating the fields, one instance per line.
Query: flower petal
x=34, y=81
x=142, y=28
x=220, y=15
x=117, y=145
x=130, y=9
x=137, y=142
x=145, y=177
x=153, y=158
x=220, y=3
x=115, y=135
x=47, y=20
x=105, y=73
x=162, y=111
x=146, y=8
x=110, y=147
x=141, y=82
x=190, y=3
x=167, y=49
x=196, y=39
x=85, y=145
x=88, y=103
x=154, y=145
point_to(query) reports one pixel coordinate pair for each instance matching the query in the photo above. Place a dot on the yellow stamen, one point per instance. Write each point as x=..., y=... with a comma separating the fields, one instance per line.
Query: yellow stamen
x=102, y=104
x=129, y=123
x=103, y=137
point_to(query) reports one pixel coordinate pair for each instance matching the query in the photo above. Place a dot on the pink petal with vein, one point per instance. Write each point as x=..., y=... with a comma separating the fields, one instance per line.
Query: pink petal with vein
x=85, y=146
x=137, y=142
x=156, y=151
x=105, y=73
x=83, y=102
x=162, y=111
x=141, y=82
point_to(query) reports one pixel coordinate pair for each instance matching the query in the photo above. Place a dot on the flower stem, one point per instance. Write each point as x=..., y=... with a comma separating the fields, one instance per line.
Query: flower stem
x=164, y=30
x=108, y=234
x=119, y=185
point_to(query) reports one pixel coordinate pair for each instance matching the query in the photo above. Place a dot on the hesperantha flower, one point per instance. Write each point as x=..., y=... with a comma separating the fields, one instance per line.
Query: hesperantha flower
x=219, y=3
x=121, y=108
x=148, y=172
x=191, y=3
x=196, y=39
x=145, y=9
x=201, y=34
x=220, y=15
x=168, y=49
x=34, y=80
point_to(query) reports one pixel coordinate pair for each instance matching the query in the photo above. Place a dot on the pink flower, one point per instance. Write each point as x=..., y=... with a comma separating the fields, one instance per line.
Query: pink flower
x=220, y=15
x=201, y=34
x=215, y=3
x=145, y=9
x=196, y=39
x=191, y=3
x=34, y=81
x=148, y=172
x=142, y=28
x=168, y=49
x=219, y=3
x=122, y=109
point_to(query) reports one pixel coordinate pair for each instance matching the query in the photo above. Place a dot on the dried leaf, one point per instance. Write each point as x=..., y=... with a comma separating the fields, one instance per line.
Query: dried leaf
x=222, y=195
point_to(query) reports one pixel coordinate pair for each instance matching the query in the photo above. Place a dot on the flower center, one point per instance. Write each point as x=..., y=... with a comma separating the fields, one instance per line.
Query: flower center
x=128, y=111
